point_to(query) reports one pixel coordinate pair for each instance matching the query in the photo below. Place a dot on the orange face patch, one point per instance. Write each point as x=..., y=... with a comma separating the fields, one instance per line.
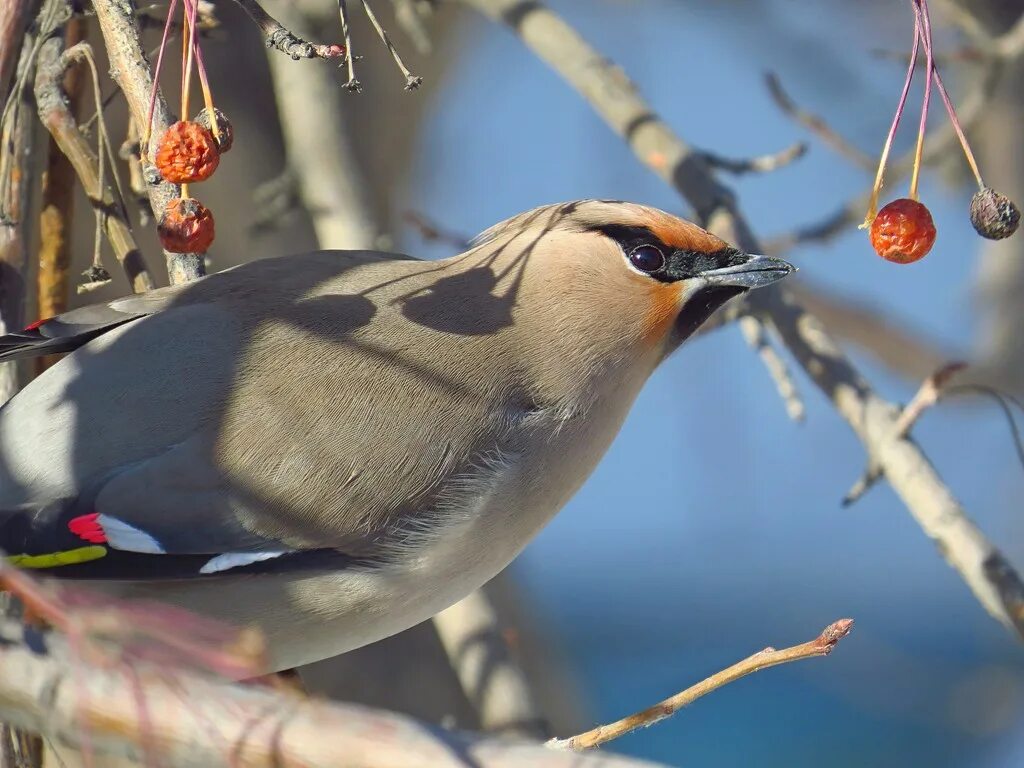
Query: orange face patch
x=680, y=234
x=665, y=299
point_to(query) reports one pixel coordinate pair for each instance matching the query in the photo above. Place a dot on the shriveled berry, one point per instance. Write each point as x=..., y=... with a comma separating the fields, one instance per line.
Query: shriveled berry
x=187, y=153
x=186, y=226
x=993, y=214
x=903, y=231
x=227, y=132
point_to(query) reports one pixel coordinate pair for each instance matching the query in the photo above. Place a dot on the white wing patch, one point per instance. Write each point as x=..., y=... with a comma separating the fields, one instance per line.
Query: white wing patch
x=121, y=535
x=237, y=559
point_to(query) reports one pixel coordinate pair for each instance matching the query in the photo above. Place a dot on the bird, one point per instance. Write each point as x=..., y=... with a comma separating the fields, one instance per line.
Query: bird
x=333, y=447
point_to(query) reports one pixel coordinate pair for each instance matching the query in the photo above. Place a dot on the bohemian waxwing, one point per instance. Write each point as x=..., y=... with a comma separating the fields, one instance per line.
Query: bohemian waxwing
x=336, y=446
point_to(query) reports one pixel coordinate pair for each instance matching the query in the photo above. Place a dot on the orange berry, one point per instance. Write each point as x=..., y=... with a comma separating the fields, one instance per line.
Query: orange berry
x=187, y=153
x=186, y=226
x=903, y=231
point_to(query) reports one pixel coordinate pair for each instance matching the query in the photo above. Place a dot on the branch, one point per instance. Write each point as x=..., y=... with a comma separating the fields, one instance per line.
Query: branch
x=980, y=564
x=203, y=722
x=130, y=69
x=492, y=680
x=761, y=164
x=822, y=645
x=324, y=166
x=816, y=125
x=279, y=37
x=53, y=111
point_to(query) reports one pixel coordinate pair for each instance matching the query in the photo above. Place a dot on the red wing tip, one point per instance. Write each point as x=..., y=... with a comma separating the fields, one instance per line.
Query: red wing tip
x=36, y=324
x=86, y=528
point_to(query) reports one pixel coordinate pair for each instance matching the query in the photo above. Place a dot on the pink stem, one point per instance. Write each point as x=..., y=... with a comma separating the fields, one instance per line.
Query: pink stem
x=873, y=204
x=922, y=19
x=156, y=73
x=956, y=123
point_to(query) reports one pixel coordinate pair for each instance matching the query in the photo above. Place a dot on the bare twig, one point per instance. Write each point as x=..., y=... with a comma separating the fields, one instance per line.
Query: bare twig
x=927, y=395
x=816, y=124
x=822, y=645
x=907, y=469
x=329, y=180
x=352, y=84
x=492, y=680
x=280, y=38
x=131, y=71
x=761, y=164
x=59, y=121
x=757, y=337
x=412, y=82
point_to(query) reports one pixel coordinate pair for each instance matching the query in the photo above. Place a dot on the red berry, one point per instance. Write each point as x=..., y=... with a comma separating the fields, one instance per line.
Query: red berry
x=186, y=226
x=903, y=231
x=187, y=153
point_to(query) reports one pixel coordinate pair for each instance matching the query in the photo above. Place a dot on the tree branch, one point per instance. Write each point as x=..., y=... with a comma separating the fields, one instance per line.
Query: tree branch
x=822, y=645
x=492, y=680
x=980, y=564
x=56, y=116
x=279, y=37
x=130, y=68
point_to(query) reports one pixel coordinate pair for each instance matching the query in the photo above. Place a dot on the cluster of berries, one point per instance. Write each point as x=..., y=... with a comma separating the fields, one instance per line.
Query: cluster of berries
x=189, y=152
x=903, y=231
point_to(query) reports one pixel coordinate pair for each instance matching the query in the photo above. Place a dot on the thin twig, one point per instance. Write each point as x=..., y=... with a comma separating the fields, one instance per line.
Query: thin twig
x=281, y=38
x=822, y=645
x=412, y=82
x=816, y=125
x=61, y=124
x=927, y=395
x=761, y=164
x=757, y=338
x=352, y=84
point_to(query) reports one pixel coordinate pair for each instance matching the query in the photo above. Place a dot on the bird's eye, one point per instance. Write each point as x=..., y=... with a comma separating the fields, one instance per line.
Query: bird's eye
x=647, y=258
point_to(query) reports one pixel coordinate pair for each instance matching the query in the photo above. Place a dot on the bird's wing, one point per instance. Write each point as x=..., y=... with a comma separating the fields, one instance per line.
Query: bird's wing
x=281, y=415
x=71, y=330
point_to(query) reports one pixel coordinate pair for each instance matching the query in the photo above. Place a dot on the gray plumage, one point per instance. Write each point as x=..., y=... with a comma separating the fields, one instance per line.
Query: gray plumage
x=422, y=419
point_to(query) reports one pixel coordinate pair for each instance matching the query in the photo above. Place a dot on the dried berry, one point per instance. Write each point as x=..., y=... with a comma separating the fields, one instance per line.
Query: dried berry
x=903, y=231
x=227, y=132
x=187, y=153
x=186, y=226
x=993, y=214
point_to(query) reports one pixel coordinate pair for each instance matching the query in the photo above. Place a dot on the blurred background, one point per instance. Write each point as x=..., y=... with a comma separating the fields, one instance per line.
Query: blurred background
x=652, y=579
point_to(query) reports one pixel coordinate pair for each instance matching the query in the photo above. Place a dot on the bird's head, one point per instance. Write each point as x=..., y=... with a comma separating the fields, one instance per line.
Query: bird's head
x=625, y=272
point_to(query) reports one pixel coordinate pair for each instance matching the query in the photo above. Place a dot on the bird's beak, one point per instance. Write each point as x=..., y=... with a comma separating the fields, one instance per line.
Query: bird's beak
x=755, y=272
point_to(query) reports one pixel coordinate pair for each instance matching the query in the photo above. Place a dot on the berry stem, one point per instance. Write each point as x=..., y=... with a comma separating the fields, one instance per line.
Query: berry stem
x=148, y=129
x=187, y=36
x=877, y=188
x=203, y=80
x=922, y=21
x=954, y=121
